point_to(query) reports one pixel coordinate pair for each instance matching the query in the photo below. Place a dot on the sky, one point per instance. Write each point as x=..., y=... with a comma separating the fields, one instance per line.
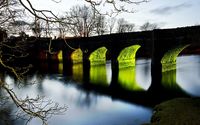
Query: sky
x=165, y=13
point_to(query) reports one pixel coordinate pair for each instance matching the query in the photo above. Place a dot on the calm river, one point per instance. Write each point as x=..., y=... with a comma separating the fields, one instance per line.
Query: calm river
x=91, y=106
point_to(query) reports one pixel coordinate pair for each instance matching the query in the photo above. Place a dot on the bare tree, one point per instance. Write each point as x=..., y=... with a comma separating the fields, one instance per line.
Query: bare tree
x=100, y=24
x=10, y=14
x=82, y=21
x=62, y=28
x=124, y=26
x=148, y=26
x=111, y=24
x=36, y=27
x=18, y=26
x=28, y=108
x=117, y=6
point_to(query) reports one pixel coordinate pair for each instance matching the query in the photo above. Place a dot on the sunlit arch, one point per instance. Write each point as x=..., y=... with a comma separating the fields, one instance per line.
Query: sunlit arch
x=98, y=56
x=126, y=57
x=77, y=56
x=169, y=59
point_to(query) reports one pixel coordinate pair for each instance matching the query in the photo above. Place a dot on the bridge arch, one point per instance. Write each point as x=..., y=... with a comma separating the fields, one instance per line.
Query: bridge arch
x=77, y=56
x=168, y=61
x=126, y=57
x=98, y=56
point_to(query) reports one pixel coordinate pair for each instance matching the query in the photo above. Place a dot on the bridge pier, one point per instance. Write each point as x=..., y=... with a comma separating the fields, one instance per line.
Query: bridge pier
x=115, y=71
x=114, y=53
x=86, y=67
x=67, y=62
x=156, y=66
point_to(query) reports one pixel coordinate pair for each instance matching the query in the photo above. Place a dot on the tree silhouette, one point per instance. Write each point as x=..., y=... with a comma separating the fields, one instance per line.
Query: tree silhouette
x=148, y=26
x=124, y=26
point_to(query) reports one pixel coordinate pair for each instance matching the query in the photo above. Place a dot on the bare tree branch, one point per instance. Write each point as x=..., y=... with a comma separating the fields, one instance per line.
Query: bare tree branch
x=41, y=14
x=118, y=6
x=28, y=108
x=34, y=107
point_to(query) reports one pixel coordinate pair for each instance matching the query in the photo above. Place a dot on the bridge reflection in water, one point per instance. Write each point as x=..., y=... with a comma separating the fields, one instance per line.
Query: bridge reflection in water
x=84, y=104
x=115, y=70
x=133, y=83
x=130, y=80
x=77, y=72
x=100, y=75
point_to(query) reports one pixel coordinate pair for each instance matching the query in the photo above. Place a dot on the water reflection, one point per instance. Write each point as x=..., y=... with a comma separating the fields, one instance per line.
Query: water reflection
x=169, y=80
x=5, y=117
x=85, y=108
x=100, y=74
x=186, y=77
x=77, y=72
x=91, y=108
x=143, y=73
x=137, y=78
x=51, y=67
x=60, y=68
x=188, y=74
x=127, y=79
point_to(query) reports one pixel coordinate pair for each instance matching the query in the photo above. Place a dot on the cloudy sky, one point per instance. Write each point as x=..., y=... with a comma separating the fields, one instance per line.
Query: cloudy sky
x=166, y=13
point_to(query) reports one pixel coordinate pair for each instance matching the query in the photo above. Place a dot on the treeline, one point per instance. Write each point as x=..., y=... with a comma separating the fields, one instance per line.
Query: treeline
x=79, y=21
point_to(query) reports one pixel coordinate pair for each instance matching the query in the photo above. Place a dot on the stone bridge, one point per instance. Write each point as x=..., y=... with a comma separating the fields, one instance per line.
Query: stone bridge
x=161, y=45
x=154, y=44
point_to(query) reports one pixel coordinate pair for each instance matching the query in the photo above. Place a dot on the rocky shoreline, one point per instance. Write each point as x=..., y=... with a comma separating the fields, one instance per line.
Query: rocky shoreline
x=178, y=111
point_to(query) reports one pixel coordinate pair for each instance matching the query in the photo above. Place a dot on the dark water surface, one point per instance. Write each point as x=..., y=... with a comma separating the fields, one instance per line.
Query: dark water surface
x=96, y=106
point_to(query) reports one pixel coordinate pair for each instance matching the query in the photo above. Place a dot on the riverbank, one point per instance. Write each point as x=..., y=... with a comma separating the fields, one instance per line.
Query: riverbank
x=179, y=111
